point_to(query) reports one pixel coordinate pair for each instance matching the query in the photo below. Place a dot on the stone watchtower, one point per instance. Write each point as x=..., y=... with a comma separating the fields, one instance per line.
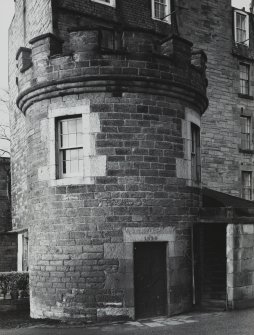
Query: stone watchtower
x=105, y=167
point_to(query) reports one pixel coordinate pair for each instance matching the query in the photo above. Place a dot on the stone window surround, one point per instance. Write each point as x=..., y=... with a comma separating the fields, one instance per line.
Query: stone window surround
x=94, y=165
x=237, y=11
x=111, y=3
x=125, y=251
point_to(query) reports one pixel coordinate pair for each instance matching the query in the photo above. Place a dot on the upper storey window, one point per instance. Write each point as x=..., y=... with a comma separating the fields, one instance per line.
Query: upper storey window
x=161, y=10
x=241, y=21
x=245, y=132
x=244, y=79
x=111, y=3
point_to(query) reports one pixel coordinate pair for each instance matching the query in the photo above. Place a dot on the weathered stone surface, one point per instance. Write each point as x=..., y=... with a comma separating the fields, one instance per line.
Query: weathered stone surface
x=133, y=104
x=240, y=265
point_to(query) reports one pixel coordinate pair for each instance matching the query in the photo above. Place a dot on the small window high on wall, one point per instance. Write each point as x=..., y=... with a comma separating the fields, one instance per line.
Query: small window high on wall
x=241, y=27
x=247, y=185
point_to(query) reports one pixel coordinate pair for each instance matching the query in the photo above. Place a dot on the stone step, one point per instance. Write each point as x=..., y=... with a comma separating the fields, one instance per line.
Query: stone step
x=213, y=304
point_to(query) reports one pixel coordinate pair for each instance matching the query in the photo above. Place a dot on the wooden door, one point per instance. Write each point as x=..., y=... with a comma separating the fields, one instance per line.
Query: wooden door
x=150, y=279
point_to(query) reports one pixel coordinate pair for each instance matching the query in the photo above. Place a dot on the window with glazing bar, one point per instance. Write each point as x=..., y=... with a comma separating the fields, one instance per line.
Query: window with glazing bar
x=244, y=78
x=161, y=10
x=245, y=132
x=195, y=153
x=241, y=27
x=247, y=185
x=70, y=147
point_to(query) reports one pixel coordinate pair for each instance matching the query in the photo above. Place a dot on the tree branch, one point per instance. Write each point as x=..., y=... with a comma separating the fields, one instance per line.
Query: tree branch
x=3, y=152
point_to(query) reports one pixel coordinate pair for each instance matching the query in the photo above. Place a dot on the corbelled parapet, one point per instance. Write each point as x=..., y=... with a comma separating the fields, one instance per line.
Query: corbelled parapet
x=134, y=62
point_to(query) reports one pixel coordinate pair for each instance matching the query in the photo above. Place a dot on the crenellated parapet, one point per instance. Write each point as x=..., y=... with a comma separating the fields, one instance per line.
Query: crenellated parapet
x=102, y=60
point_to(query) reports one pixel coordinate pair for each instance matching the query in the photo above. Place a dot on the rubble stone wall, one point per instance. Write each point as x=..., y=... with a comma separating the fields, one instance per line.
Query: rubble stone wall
x=209, y=25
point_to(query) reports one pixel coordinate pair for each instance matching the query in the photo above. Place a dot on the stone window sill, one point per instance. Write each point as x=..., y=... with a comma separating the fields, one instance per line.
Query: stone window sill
x=72, y=181
x=245, y=96
x=246, y=151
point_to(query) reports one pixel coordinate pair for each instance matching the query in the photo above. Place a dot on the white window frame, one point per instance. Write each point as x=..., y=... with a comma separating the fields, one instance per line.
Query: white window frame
x=247, y=27
x=111, y=3
x=168, y=11
x=60, y=149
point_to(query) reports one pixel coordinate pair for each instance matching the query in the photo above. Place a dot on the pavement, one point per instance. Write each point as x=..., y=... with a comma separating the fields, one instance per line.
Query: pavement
x=215, y=323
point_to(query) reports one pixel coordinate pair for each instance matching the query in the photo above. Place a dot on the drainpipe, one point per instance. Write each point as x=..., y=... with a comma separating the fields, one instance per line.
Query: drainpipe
x=193, y=267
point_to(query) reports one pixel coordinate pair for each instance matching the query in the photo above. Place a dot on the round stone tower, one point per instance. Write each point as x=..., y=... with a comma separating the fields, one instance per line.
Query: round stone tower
x=112, y=130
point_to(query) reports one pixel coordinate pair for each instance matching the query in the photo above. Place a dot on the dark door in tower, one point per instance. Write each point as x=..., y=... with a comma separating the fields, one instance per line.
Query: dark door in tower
x=150, y=279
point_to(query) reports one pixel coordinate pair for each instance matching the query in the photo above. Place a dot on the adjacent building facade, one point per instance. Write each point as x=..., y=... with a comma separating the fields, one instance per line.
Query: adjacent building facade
x=8, y=241
x=107, y=98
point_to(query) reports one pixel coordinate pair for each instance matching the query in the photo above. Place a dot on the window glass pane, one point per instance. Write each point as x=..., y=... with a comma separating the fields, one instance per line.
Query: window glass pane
x=74, y=154
x=72, y=126
x=67, y=155
x=79, y=126
x=80, y=165
x=242, y=22
x=68, y=167
x=64, y=141
x=72, y=140
x=63, y=158
x=64, y=127
x=79, y=139
x=74, y=166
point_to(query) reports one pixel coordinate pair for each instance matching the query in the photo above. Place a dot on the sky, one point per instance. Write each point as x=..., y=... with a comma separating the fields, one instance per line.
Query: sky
x=6, y=14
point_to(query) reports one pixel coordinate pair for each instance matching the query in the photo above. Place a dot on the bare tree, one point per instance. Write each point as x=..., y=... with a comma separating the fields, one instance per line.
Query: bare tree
x=4, y=124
